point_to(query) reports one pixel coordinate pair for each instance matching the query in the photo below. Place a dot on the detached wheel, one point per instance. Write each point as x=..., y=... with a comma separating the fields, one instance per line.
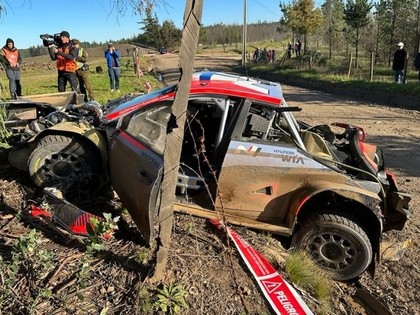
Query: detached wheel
x=62, y=161
x=337, y=244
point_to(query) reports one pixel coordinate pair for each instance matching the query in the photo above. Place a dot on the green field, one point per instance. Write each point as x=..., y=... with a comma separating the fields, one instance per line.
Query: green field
x=39, y=75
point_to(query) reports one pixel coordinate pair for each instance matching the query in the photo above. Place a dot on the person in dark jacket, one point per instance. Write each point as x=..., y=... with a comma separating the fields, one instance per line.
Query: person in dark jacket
x=417, y=63
x=398, y=64
x=112, y=57
x=12, y=60
x=65, y=54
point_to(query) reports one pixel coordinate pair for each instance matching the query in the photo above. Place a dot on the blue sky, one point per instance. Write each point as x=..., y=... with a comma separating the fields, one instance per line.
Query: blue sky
x=97, y=20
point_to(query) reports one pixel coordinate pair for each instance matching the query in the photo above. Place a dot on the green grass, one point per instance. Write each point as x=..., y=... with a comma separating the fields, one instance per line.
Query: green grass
x=383, y=78
x=42, y=78
x=303, y=272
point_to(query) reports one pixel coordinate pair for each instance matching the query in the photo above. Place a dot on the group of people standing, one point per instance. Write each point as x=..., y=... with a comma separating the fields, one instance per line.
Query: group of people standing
x=264, y=55
x=294, y=48
x=72, y=66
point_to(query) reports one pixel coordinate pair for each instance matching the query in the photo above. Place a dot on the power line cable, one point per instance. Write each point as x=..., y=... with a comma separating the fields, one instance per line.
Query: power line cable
x=269, y=10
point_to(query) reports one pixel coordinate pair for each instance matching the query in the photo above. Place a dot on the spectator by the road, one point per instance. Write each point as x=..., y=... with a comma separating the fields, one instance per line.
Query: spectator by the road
x=12, y=60
x=65, y=54
x=289, y=50
x=273, y=55
x=264, y=56
x=257, y=55
x=113, y=62
x=417, y=63
x=82, y=72
x=298, y=47
x=400, y=56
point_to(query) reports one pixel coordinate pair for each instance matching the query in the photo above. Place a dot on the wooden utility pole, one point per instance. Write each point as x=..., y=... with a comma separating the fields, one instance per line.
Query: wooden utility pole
x=172, y=153
x=244, y=37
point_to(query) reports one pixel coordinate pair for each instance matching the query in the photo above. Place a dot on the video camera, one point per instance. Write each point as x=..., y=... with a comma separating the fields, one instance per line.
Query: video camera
x=48, y=40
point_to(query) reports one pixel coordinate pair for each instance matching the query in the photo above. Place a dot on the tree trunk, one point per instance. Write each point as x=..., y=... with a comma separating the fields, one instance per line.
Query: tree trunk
x=356, y=63
x=189, y=42
x=391, y=40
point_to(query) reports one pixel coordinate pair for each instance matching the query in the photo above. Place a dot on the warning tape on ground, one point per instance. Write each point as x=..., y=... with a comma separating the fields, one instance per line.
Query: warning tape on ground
x=282, y=297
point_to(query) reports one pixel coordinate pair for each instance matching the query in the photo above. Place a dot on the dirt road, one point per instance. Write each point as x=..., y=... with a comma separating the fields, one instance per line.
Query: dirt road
x=396, y=283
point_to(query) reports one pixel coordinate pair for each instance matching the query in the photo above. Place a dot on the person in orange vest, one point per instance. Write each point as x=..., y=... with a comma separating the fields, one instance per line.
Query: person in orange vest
x=12, y=60
x=66, y=55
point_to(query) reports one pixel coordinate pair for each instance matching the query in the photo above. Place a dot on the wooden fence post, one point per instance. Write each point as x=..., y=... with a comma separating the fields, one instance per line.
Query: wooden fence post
x=350, y=65
x=371, y=66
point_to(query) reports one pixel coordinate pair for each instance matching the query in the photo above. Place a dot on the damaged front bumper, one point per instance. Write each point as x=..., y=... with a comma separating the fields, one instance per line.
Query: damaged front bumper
x=397, y=212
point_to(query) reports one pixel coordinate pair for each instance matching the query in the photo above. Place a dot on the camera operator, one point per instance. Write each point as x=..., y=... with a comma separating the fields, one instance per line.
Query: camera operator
x=65, y=54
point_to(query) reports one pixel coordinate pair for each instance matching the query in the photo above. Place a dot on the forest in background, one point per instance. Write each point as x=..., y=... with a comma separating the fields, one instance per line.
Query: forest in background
x=336, y=28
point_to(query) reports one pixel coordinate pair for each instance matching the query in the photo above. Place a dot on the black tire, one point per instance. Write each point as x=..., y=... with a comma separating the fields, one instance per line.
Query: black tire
x=62, y=161
x=337, y=244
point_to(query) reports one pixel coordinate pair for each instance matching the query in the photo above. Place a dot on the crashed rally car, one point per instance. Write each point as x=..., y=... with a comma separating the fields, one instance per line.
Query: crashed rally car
x=327, y=190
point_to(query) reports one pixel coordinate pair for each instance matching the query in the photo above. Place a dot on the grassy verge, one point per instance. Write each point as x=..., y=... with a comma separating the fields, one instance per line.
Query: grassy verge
x=381, y=90
x=42, y=78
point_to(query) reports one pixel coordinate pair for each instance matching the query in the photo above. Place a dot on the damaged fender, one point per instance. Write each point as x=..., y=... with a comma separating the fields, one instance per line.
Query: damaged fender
x=19, y=157
x=361, y=195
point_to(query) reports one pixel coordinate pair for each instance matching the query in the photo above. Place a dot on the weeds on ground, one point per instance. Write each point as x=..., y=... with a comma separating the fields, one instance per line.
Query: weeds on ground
x=4, y=132
x=100, y=230
x=170, y=298
x=28, y=259
x=304, y=273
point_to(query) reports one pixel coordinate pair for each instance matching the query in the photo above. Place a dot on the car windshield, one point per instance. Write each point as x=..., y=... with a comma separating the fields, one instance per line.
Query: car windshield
x=125, y=105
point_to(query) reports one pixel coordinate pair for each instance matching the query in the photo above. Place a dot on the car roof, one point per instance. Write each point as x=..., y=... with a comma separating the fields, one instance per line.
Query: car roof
x=208, y=83
x=235, y=85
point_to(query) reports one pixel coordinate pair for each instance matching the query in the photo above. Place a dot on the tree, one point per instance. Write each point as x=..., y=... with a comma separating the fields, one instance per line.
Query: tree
x=333, y=11
x=397, y=20
x=302, y=18
x=203, y=35
x=356, y=16
x=174, y=140
x=170, y=34
x=151, y=29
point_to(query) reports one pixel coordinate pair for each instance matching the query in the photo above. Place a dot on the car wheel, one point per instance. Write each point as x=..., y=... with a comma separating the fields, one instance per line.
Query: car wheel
x=62, y=161
x=336, y=243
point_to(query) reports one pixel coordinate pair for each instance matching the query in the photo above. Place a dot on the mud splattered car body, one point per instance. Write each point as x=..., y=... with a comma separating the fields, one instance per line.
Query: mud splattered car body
x=245, y=155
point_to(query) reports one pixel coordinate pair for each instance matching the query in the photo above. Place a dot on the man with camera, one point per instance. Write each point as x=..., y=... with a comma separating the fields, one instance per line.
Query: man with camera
x=65, y=54
x=112, y=57
x=82, y=72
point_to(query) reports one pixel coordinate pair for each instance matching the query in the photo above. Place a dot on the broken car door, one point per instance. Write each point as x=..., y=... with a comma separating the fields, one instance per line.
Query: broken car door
x=136, y=163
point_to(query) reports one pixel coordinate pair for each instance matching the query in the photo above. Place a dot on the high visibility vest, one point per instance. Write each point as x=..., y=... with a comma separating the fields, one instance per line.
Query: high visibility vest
x=64, y=64
x=12, y=57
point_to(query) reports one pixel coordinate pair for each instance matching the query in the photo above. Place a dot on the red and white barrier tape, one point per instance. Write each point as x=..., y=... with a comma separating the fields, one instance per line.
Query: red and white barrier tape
x=282, y=297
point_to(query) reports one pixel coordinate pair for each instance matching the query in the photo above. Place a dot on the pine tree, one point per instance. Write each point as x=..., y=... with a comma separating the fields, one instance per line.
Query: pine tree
x=302, y=18
x=356, y=17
